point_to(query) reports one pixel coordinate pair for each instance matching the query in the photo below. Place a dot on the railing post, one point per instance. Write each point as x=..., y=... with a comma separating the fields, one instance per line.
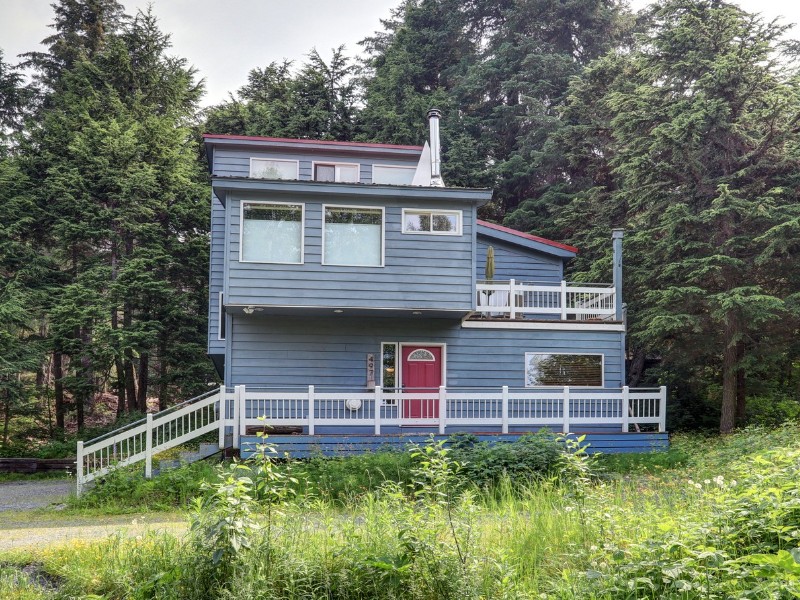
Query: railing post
x=311, y=410
x=79, y=469
x=442, y=408
x=505, y=410
x=148, y=453
x=378, y=402
x=626, y=407
x=238, y=415
x=662, y=409
x=565, y=410
x=512, y=300
x=223, y=414
x=563, y=300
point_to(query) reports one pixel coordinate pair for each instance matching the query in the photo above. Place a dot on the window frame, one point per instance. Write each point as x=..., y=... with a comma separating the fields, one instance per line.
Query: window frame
x=284, y=160
x=221, y=332
x=357, y=207
x=380, y=166
x=336, y=165
x=458, y=213
x=602, y=370
x=396, y=370
x=302, y=206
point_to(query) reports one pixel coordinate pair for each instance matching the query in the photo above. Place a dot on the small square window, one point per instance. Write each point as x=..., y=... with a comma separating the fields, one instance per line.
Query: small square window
x=263, y=168
x=342, y=173
x=438, y=222
x=353, y=236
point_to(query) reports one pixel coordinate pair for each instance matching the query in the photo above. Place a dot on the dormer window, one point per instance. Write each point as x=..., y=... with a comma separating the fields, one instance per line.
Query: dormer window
x=270, y=168
x=393, y=175
x=339, y=172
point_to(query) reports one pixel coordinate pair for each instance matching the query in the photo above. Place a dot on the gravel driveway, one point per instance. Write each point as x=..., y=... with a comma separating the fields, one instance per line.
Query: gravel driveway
x=25, y=495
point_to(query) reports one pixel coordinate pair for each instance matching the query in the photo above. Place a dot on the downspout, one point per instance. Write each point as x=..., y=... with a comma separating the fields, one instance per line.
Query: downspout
x=616, y=236
x=434, y=115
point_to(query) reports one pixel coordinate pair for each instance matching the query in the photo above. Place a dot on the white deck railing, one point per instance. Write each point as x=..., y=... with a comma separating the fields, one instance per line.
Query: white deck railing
x=560, y=408
x=140, y=440
x=584, y=301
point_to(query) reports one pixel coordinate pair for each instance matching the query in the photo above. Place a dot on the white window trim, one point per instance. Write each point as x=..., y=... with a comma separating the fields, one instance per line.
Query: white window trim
x=602, y=369
x=314, y=164
x=286, y=160
x=399, y=367
x=302, y=231
x=383, y=234
x=456, y=213
x=220, y=317
x=412, y=169
x=396, y=366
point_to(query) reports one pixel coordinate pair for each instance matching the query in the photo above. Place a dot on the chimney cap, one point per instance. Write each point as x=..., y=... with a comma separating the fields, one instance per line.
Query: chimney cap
x=617, y=233
x=434, y=112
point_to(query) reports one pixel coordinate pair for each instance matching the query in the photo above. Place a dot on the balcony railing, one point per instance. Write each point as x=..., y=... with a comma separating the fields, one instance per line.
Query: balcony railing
x=566, y=301
x=560, y=408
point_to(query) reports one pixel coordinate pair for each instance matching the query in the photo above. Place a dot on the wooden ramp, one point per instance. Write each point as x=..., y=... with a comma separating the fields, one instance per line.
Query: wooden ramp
x=305, y=446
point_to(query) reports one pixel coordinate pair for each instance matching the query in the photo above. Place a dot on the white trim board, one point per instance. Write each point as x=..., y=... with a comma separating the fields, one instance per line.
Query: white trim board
x=540, y=326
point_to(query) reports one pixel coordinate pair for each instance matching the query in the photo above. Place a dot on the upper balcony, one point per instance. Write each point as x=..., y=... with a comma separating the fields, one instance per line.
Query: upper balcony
x=547, y=301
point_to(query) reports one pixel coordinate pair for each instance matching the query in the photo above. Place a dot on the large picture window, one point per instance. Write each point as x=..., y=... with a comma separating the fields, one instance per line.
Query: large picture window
x=438, y=222
x=353, y=236
x=577, y=370
x=265, y=168
x=272, y=232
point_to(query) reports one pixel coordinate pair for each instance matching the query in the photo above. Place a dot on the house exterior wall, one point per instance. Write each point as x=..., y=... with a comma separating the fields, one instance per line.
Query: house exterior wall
x=514, y=262
x=270, y=351
x=235, y=162
x=216, y=275
x=426, y=272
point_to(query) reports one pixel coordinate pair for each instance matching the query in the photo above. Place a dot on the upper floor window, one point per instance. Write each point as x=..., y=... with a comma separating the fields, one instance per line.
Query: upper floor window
x=438, y=222
x=353, y=236
x=576, y=370
x=271, y=168
x=341, y=172
x=272, y=232
x=393, y=175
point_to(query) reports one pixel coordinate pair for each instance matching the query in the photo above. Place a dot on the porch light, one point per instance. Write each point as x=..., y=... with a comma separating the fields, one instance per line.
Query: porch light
x=417, y=312
x=338, y=311
x=249, y=310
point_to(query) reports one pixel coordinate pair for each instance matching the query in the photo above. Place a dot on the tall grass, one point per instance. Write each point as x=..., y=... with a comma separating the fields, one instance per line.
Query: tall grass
x=723, y=524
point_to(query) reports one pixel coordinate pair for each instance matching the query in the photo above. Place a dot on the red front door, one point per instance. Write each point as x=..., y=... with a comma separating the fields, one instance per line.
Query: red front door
x=422, y=373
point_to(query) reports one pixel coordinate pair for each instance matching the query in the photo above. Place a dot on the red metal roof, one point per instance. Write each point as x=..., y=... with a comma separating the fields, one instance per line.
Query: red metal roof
x=527, y=236
x=220, y=136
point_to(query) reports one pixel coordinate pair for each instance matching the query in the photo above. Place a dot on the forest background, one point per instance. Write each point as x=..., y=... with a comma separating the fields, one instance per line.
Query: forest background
x=679, y=123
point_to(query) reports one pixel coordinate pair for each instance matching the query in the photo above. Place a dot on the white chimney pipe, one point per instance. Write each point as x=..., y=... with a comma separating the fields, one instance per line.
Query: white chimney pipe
x=436, y=158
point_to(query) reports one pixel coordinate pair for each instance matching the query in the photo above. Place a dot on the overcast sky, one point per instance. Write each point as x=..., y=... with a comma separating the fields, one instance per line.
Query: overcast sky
x=224, y=39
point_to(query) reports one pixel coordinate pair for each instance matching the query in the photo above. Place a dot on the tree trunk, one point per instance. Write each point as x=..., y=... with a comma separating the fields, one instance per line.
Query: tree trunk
x=637, y=367
x=162, y=374
x=741, y=397
x=130, y=384
x=121, y=399
x=141, y=400
x=730, y=368
x=58, y=386
x=6, y=417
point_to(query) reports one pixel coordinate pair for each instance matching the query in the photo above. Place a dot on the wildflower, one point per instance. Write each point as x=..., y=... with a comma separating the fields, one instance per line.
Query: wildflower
x=719, y=480
x=698, y=486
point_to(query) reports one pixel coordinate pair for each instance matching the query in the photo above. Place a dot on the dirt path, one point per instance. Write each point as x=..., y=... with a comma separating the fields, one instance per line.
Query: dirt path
x=26, y=522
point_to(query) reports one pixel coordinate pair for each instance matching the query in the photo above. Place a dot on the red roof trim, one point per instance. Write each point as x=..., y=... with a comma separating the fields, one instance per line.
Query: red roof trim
x=252, y=138
x=527, y=236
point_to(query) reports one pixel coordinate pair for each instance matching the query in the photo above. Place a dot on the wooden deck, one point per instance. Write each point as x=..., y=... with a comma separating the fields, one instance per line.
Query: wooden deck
x=305, y=446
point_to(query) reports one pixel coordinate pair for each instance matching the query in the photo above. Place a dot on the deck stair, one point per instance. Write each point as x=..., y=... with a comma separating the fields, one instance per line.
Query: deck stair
x=205, y=450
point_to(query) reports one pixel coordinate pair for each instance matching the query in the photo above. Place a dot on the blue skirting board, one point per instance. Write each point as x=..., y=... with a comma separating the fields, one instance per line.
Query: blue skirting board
x=305, y=446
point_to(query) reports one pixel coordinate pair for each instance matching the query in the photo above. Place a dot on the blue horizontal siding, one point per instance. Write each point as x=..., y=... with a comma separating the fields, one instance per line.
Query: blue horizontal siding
x=216, y=275
x=305, y=446
x=514, y=262
x=272, y=351
x=420, y=271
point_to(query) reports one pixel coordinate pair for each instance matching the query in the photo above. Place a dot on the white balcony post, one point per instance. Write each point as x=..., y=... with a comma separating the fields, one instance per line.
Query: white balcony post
x=442, y=408
x=505, y=410
x=148, y=444
x=626, y=407
x=512, y=300
x=662, y=409
x=79, y=469
x=378, y=403
x=311, y=410
x=563, y=300
x=565, y=409
x=238, y=415
x=223, y=415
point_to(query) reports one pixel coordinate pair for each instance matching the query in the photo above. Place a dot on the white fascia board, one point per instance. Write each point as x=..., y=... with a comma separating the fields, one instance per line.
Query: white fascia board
x=541, y=326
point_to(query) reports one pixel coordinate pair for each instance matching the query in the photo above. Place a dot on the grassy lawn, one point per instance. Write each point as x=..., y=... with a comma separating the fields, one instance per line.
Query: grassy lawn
x=711, y=518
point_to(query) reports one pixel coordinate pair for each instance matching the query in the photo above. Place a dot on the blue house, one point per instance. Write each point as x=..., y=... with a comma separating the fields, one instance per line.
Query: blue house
x=356, y=300
x=352, y=295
